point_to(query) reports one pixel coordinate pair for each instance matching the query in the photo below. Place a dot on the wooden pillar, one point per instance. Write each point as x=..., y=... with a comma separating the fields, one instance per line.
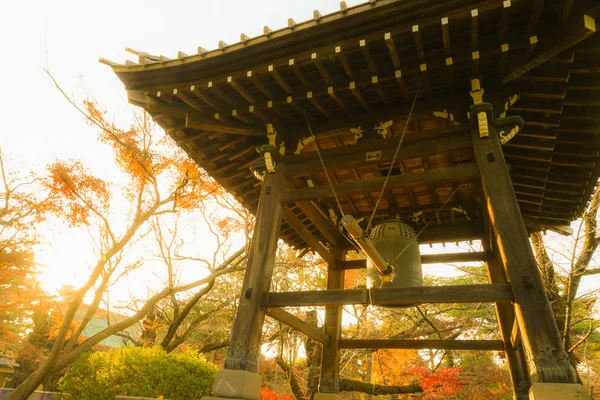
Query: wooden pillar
x=244, y=350
x=330, y=359
x=546, y=358
x=505, y=315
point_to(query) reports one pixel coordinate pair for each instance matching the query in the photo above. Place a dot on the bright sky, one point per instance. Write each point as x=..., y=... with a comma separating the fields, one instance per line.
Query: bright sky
x=39, y=126
x=68, y=37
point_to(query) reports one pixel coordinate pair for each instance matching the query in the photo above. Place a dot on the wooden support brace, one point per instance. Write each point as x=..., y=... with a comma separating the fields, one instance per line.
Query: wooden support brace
x=305, y=234
x=299, y=325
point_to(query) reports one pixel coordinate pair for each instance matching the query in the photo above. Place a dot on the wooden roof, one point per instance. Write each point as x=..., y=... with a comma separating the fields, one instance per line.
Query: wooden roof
x=361, y=67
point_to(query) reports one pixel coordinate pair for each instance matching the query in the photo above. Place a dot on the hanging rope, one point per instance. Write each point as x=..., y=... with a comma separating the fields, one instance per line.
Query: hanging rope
x=337, y=200
x=387, y=178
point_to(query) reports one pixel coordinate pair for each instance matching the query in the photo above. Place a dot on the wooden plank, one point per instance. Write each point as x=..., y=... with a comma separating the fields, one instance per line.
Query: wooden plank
x=492, y=345
x=546, y=357
x=305, y=234
x=244, y=350
x=455, y=173
x=472, y=256
x=489, y=293
x=299, y=325
x=566, y=35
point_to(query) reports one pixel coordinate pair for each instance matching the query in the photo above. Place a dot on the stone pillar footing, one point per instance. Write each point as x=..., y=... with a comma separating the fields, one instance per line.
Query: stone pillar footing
x=235, y=384
x=327, y=396
x=555, y=391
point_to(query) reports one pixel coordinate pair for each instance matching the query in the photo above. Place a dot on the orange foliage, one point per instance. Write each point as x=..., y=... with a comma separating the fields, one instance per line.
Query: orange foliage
x=77, y=193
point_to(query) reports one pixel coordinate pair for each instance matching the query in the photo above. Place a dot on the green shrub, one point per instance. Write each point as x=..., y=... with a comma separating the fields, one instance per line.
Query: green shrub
x=138, y=371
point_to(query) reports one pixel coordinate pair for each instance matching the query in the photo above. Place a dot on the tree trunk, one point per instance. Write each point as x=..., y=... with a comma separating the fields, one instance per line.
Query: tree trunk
x=313, y=357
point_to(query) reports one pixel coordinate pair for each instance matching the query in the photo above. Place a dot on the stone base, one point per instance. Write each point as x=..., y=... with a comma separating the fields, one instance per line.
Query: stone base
x=555, y=391
x=234, y=384
x=327, y=396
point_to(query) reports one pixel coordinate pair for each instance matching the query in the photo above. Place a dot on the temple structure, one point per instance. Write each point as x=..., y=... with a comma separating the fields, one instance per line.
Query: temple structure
x=467, y=119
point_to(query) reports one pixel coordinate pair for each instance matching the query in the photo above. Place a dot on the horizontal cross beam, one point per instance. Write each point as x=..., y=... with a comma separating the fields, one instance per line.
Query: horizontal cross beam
x=454, y=173
x=472, y=256
x=299, y=325
x=490, y=293
x=496, y=345
x=382, y=151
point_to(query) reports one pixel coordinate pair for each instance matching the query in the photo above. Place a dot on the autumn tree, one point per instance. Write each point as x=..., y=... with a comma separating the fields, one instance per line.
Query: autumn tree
x=22, y=206
x=564, y=263
x=160, y=181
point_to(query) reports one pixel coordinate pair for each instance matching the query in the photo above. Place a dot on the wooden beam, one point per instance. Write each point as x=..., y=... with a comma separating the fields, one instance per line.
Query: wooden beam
x=244, y=351
x=299, y=325
x=368, y=58
x=577, y=28
x=207, y=124
x=305, y=234
x=331, y=92
x=391, y=46
x=279, y=79
x=341, y=56
x=452, y=233
x=455, y=173
x=472, y=256
x=259, y=85
x=356, y=92
x=322, y=68
x=492, y=345
x=323, y=224
x=489, y=293
x=504, y=18
x=534, y=16
x=446, y=140
x=547, y=359
x=474, y=30
x=297, y=71
x=332, y=326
